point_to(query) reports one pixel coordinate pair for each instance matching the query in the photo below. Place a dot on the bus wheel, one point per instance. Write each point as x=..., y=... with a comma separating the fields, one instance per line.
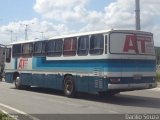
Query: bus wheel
x=17, y=82
x=69, y=86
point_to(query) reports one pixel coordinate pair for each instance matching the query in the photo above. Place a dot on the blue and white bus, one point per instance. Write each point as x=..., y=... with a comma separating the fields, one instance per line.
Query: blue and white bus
x=104, y=62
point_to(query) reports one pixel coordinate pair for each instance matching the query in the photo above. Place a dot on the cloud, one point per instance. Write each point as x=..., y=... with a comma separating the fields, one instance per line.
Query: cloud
x=120, y=14
x=36, y=29
x=61, y=10
x=113, y=15
x=68, y=16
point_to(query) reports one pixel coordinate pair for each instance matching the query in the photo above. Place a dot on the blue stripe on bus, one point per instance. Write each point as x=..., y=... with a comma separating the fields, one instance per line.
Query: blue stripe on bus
x=110, y=65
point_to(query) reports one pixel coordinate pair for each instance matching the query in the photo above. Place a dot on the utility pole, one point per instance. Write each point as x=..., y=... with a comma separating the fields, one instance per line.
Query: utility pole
x=11, y=35
x=42, y=34
x=137, y=16
x=26, y=31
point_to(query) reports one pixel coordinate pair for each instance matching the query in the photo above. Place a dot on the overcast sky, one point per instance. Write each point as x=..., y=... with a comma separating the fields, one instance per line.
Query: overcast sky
x=48, y=18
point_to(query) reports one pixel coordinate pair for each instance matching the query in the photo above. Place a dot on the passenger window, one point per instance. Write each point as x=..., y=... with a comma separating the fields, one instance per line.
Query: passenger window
x=16, y=50
x=55, y=47
x=70, y=46
x=83, y=45
x=106, y=44
x=39, y=48
x=8, y=55
x=96, y=44
x=27, y=49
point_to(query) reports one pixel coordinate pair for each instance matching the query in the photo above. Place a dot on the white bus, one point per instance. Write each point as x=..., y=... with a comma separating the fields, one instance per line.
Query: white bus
x=104, y=62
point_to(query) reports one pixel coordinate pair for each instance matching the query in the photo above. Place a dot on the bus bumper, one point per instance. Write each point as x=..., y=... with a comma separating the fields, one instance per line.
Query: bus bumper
x=131, y=86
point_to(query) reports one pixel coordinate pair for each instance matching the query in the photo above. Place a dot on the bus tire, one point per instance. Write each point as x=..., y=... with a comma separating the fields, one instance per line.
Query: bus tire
x=17, y=82
x=69, y=87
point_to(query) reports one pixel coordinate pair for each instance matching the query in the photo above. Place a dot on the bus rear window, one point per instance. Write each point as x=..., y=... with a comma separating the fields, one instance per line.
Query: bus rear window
x=130, y=43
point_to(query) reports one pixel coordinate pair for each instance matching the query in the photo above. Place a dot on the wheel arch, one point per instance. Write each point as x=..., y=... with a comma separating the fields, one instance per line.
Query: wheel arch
x=15, y=74
x=66, y=76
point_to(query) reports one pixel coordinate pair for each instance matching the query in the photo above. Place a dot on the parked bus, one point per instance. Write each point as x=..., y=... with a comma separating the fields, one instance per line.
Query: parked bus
x=104, y=62
x=2, y=61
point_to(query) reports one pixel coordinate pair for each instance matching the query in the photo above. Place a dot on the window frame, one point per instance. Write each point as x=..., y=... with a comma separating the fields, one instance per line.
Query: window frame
x=93, y=49
x=106, y=44
x=30, y=52
x=8, y=55
x=70, y=49
x=55, y=52
x=15, y=49
x=42, y=51
x=83, y=52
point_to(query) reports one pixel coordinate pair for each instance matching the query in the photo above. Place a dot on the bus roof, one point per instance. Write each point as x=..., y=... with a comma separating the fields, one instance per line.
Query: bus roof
x=80, y=34
x=98, y=32
x=27, y=41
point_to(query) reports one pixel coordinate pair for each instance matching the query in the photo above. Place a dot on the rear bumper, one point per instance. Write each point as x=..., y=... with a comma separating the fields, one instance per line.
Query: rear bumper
x=132, y=86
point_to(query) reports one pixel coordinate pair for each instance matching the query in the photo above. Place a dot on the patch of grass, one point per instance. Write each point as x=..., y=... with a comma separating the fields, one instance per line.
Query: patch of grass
x=5, y=116
x=158, y=76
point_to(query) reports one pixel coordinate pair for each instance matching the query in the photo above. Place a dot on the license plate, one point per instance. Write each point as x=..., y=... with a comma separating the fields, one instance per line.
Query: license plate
x=137, y=77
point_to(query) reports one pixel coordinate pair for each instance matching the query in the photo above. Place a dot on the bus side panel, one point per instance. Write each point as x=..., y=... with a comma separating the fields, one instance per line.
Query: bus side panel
x=42, y=80
x=26, y=78
x=51, y=81
x=38, y=80
x=59, y=82
x=97, y=84
x=54, y=81
x=9, y=77
x=82, y=84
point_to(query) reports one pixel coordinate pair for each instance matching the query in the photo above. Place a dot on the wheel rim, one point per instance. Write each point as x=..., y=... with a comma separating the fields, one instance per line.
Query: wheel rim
x=17, y=81
x=69, y=86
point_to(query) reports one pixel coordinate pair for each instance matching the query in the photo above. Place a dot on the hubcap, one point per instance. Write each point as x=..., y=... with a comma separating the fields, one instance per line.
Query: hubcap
x=17, y=81
x=69, y=86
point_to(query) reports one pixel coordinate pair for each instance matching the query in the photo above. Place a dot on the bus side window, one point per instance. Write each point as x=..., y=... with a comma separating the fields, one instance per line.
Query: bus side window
x=54, y=47
x=70, y=46
x=106, y=44
x=83, y=45
x=96, y=44
x=8, y=55
x=17, y=50
x=27, y=49
x=39, y=48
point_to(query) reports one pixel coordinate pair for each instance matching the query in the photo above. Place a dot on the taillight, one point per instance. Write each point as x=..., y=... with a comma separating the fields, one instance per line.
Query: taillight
x=115, y=80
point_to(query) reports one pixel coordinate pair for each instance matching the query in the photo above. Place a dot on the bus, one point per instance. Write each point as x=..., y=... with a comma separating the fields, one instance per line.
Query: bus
x=104, y=62
x=2, y=61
